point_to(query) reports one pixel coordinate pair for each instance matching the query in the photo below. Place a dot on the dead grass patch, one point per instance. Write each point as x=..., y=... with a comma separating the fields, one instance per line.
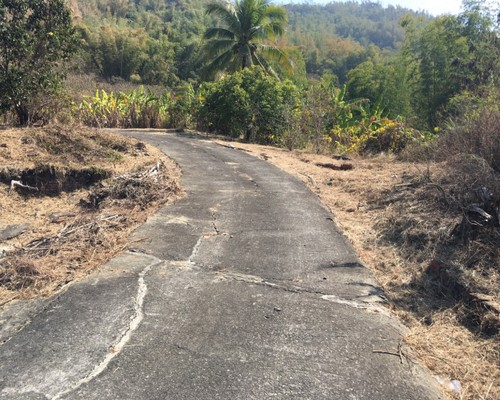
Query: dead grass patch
x=93, y=188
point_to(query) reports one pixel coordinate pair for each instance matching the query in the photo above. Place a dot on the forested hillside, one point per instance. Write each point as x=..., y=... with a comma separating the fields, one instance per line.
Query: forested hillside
x=153, y=42
x=338, y=36
x=357, y=62
x=157, y=42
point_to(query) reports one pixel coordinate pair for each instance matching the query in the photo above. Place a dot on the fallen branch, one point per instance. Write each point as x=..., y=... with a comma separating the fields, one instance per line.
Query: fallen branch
x=155, y=170
x=13, y=184
x=392, y=353
x=440, y=188
x=474, y=208
x=45, y=245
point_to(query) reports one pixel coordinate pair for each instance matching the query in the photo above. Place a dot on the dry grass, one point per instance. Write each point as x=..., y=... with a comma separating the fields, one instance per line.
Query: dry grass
x=73, y=232
x=397, y=218
x=453, y=352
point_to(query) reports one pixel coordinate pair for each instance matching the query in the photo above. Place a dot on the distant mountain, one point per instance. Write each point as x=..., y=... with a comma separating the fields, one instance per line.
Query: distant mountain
x=367, y=22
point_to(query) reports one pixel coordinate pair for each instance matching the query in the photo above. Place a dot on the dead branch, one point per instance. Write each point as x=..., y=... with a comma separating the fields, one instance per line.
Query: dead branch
x=46, y=244
x=392, y=353
x=13, y=184
x=155, y=170
x=440, y=188
x=474, y=208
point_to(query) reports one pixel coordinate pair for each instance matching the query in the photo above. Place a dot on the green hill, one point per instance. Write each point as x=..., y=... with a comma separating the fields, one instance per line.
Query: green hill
x=157, y=42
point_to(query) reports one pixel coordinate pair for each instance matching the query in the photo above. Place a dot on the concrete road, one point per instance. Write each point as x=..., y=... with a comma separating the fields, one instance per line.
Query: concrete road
x=243, y=289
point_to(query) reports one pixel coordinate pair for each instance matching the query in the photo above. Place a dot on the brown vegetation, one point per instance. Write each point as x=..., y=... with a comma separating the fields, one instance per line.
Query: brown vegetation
x=80, y=193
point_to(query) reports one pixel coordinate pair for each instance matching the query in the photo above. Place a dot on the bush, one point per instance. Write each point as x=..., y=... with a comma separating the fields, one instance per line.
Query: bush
x=224, y=107
x=182, y=106
x=385, y=136
x=35, y=37
x=248, y=104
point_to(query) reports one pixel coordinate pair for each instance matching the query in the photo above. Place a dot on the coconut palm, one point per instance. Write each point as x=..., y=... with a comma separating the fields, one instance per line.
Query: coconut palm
x=243, y=37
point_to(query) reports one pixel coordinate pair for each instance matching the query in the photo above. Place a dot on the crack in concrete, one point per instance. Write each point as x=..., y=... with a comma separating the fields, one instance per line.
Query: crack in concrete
x=195, y=251
x=363, y=305
x=135, y=322
x=216, y=232
x=261, y=281
x=371, y=303
x=214, y=222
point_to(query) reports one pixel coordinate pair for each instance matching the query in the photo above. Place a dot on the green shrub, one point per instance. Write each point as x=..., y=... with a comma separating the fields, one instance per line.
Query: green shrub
x=182, y=106
x=248, y=104
x=373, y=136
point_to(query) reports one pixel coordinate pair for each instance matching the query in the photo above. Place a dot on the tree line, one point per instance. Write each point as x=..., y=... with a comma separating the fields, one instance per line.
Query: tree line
x=373, y=66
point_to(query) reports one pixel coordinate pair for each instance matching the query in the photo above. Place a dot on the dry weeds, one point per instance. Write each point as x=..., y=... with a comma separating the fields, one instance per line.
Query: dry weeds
x=398, y=220
x=73, y=232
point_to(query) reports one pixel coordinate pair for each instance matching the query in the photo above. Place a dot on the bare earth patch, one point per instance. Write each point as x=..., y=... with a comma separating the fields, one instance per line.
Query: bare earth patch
x=399, y=220
x=74, y=194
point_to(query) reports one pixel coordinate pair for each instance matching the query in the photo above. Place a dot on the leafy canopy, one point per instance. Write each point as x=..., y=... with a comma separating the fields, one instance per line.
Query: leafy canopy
x=243, y=37
x=248, y=103
x=34, y=36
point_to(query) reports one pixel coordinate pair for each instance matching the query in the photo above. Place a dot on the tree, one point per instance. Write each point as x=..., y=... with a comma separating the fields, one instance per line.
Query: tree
x=116, y=51
x=450, y=55
x=480, y=24
x=248, y=103
x=383, y=81
x=35, y=35
x=243, y=38
x=435, y=54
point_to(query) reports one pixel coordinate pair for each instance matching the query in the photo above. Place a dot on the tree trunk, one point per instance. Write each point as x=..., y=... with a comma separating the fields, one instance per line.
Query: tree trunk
x=250, y=134
x=246, y=61
x=23, y=115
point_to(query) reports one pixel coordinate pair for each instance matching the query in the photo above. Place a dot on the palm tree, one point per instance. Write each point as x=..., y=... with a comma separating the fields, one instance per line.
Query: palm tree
x=242, y=39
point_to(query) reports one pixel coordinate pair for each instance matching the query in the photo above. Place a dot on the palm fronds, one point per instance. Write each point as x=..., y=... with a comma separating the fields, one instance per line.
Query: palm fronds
x=244, y=35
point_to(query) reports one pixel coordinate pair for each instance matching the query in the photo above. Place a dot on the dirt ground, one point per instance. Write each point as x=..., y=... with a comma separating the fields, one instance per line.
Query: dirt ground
x=398, y=221
x=86, y=190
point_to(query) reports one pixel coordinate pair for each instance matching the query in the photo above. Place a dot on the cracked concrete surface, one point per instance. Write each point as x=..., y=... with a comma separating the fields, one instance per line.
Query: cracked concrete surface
x=369, y=302
x=244, y=289
x=115, y=348
x=71, y=337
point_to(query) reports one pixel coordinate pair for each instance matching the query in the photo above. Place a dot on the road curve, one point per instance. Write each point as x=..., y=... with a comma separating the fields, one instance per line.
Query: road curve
x=243, y=289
